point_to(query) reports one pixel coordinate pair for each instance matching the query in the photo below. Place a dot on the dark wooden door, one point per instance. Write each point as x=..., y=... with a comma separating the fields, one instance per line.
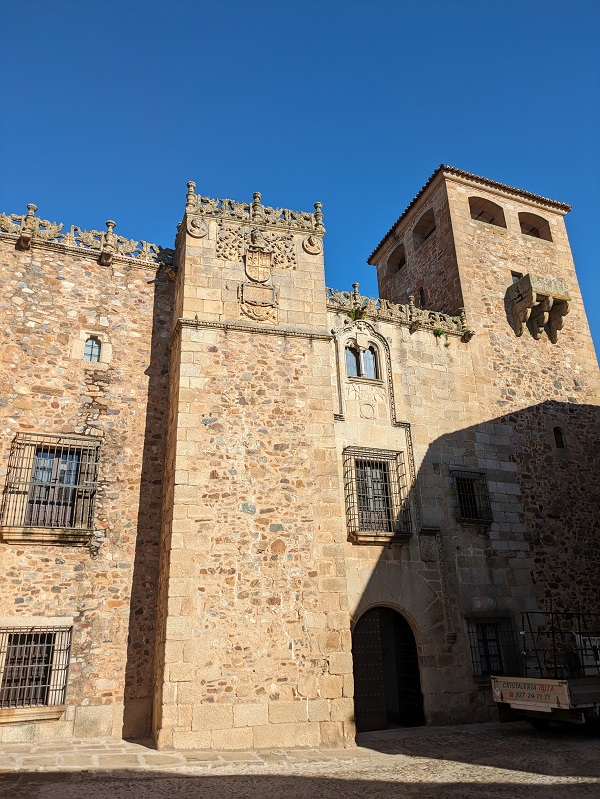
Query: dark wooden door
x=369, y=687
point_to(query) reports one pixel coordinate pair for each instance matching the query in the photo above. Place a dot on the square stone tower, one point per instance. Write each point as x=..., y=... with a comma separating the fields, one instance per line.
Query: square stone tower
x=254, y=638
x=502, y=254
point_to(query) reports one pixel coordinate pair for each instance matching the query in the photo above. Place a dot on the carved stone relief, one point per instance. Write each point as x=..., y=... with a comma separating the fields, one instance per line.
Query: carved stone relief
x=540, y=303
x=258, y=302
x=234, y=241
x=106, y=244
x=196, y=226
x=312, y=245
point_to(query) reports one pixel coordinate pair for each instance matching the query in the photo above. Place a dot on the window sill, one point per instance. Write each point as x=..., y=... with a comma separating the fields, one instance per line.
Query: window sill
x=468, y=522
x=45, y=535
x=358, y=379
x=15, y=715
x=378, y=539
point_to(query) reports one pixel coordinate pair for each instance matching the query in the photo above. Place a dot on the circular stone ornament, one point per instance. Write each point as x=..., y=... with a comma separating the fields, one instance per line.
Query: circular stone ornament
x=313, y=245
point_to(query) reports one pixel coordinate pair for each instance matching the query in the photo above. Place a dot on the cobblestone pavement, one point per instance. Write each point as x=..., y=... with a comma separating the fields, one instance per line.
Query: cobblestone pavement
x=488, y=761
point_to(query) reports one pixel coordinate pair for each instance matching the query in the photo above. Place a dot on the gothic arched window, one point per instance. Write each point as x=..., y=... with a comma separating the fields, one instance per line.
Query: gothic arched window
x=362, y=363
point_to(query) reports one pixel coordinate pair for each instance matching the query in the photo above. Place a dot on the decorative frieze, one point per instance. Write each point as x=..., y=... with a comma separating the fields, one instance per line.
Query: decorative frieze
x=359, y=307
x=254, y=213
x=29, y=228
x=540, y=303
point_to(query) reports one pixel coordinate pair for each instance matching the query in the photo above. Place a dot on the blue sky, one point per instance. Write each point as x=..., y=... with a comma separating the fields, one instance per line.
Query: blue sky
x=108, y=108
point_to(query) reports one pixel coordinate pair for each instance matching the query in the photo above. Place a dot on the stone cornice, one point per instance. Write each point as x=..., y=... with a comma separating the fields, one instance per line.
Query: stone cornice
x=241, y=327
x=27, y=230
x=254, y=213
x=358, y=307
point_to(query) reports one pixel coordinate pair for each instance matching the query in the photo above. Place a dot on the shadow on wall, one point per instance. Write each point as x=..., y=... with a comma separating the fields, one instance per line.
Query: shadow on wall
x=536, y=545
x=137, y=715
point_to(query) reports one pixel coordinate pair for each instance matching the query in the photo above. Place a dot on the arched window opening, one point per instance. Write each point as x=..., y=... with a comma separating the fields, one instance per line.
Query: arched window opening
x=424, y=228
x=421, y=297
x=92, y=349
x=352, y=362
x=487, y=211
x=362, y=363
x=559, y=438
x=397, y=259
x=535, y=226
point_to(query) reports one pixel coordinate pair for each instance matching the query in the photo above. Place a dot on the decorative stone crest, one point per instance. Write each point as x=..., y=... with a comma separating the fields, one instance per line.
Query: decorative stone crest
x=258, y=302
x=258, y=257
x=234, y=241
x=27, y=229
x=540, y=303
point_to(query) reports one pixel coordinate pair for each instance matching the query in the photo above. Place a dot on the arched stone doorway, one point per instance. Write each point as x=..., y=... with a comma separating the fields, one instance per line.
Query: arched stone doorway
x=387, y=688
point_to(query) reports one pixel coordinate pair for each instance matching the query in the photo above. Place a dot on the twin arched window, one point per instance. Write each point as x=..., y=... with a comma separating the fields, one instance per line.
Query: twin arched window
x=362, y=363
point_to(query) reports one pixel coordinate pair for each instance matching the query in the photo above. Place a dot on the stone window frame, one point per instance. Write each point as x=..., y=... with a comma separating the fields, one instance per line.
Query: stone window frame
x=106, y=349
x=482, y=645
x=18, y=701
x=359, y=359
x=473, y=505
x=54, y=495
x=392, y=523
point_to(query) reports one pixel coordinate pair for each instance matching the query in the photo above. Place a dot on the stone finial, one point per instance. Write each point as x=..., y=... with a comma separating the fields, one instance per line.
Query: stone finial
x=257, y=211
x=355, y=295
x=109, y=244
x=319, y=218
x=29, y=227
x=190, y=197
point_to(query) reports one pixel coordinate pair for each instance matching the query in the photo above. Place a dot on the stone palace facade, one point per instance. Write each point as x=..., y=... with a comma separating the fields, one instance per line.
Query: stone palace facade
x=242, y=510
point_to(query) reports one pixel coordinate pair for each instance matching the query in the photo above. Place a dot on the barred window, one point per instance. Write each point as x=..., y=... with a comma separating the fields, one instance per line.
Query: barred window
x=493, y=647
x=362, y=363
x=473, y=497
x=34, y=664
x=376, y=491
x=91, y=351
x=51, y=482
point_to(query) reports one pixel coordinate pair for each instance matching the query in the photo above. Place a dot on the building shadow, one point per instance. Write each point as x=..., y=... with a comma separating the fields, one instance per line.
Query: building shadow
x=137, y=713
x=397, y=785
x=532, y=543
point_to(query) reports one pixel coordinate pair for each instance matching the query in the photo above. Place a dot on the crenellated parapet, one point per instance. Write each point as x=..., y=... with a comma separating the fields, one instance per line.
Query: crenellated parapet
x=359, y=307
x=106, y=245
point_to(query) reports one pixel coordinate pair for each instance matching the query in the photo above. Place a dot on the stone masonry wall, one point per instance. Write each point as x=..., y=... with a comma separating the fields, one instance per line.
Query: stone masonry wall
x=430, y=266
x=49, y=297
x=254, y=600
x=536, y=386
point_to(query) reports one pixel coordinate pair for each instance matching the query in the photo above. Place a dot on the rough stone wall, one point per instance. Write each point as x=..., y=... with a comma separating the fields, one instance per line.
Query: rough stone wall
x=430, y=266
x=49, y=296
x=256, y=629
x=538, y=385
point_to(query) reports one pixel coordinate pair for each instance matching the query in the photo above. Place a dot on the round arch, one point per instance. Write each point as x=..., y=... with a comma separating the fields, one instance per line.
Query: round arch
x=387, y=684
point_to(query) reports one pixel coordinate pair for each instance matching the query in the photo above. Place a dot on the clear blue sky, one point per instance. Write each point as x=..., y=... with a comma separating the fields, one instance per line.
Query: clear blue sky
x=108, y=108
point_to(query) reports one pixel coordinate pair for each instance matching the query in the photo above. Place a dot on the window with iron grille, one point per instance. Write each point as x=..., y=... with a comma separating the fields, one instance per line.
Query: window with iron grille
x=473, y=497
x=493, y=647
x=51, y=483
x=34, y=665
x=377, y=505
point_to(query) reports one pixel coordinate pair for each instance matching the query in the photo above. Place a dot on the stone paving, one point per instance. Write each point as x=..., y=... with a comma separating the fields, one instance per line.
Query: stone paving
x=488, y=761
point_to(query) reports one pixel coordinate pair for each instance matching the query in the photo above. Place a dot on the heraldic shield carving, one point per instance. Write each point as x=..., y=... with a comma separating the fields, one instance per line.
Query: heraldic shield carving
x=258, y=258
